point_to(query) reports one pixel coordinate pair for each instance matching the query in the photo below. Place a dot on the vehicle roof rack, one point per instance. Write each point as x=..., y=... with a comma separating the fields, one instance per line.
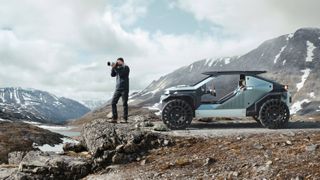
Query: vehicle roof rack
x=218, y=73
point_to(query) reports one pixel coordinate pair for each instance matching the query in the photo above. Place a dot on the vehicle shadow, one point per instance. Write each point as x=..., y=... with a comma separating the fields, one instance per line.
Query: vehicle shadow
x=244, y=125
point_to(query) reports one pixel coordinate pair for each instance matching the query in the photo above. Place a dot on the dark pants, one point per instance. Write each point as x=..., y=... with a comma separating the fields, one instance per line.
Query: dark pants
x=117, y=94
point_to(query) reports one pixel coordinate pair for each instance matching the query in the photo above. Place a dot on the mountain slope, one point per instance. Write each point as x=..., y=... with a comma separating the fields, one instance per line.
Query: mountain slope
x=39, y=106
x=292, y=59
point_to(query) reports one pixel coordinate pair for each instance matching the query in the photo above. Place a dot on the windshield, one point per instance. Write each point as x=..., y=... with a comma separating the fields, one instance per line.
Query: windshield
x=200, y=79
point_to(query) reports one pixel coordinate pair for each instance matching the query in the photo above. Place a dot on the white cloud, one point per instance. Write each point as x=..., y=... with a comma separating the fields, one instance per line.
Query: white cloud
x=263, y=18
x=62, y=46
x=130, y=11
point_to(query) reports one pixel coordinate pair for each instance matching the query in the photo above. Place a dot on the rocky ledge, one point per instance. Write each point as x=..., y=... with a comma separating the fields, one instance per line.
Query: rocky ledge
x=106, y=144
x=18, y=136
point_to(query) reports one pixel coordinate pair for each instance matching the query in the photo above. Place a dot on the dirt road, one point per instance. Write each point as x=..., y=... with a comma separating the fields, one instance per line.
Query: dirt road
x=241, y=127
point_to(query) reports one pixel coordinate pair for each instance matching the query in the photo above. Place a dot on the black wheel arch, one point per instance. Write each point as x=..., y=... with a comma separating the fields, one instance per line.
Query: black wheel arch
x=253, y=110
x=188, y=98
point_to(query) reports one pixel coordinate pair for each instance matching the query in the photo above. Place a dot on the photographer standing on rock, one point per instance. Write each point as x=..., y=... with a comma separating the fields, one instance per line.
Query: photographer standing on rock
x=121, y=72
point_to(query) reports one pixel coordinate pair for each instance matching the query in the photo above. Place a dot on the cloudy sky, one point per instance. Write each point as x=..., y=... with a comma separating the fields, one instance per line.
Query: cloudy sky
x=62, y=45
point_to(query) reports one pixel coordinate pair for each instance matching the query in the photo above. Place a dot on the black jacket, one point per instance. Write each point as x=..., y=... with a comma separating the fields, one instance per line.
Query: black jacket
x=122, y=74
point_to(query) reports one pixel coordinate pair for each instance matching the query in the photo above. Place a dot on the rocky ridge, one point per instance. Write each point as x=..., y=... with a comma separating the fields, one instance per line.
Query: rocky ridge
x=38, y=106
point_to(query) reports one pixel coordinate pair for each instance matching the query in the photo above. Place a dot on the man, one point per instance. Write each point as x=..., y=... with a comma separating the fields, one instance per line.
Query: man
x=121, y=72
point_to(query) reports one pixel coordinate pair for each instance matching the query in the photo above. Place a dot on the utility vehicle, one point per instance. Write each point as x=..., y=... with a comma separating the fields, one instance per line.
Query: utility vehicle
x=263, y=99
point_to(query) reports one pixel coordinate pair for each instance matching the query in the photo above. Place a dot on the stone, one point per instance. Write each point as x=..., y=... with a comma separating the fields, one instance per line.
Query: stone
x=119, y=148
x=235, y=173
x=138, y=118
x=16, y=157
x=209, y=161
x=109, y=115
x=160, y=127
x=120, y=158
x=311, y=148
x=7, y=173
x=166, y=142
x=269, y=162
x=182, y=162
x=258, y=146
x=76, y=147
x=131, y=148
x=143, y=162
x=288, y=142
x=148, y=124
x=43, y=164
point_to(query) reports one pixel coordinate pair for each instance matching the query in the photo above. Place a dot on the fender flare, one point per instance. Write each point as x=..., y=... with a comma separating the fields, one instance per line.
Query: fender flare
x=259, y=103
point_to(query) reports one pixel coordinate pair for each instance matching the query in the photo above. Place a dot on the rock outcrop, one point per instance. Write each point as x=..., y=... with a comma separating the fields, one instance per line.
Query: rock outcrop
x=18, y=136
x=106, y=142
x=43, y=165
x=119, y=143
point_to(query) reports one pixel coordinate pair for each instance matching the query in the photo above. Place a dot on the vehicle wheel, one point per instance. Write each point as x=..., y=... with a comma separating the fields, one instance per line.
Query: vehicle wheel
x=177, y=114
x=274, y=114
x=256, y=118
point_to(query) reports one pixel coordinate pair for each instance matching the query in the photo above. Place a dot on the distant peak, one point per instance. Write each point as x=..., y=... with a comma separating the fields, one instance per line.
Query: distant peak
x=307, y=31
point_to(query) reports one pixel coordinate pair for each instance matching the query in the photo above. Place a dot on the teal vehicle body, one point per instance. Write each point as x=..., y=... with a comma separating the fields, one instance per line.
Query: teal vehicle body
x=247, y=99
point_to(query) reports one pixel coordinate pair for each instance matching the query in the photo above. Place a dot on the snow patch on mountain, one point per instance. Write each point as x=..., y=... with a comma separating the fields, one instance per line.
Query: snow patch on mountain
x=211, y=62
x=227, y=61
x=312, y=95
x=5, y=120
x=39, y=106
x=207, y=61
x=284, y=62
x=191, y=67
x=289, y=36
x=306, y=73
x=151, y=92
x=310, y=48
x=278, y=55
x=297, y=106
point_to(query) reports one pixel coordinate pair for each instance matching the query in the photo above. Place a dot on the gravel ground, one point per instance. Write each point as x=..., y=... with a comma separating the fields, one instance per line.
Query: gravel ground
x=241, y=127
x=230, y=150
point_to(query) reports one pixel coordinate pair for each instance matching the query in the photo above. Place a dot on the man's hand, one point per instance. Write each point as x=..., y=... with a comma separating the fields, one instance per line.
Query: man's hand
x=114, y=65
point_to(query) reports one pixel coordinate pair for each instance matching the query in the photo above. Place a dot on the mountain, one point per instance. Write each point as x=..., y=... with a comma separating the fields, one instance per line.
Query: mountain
x=93, y=104
x=292, y=59
x=39, y=106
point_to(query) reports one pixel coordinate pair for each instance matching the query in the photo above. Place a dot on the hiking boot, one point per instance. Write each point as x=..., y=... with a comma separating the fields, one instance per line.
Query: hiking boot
x=124, y=121
x=113, y=121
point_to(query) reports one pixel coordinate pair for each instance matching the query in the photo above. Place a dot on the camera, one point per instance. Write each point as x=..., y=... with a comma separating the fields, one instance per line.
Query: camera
x=111, y=63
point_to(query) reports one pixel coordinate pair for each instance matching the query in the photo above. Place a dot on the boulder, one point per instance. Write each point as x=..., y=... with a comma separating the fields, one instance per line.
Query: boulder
x=16, y=157
x=76, y=147
x=99, y=136
x=7, y=173
x=44, y=165
x=119, y=143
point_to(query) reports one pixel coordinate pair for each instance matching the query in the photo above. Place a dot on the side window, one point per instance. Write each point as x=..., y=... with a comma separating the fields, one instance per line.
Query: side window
x=223, y=85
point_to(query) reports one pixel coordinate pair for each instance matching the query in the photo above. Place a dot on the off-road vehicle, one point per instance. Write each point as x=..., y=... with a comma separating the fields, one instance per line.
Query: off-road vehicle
x=263, y=99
